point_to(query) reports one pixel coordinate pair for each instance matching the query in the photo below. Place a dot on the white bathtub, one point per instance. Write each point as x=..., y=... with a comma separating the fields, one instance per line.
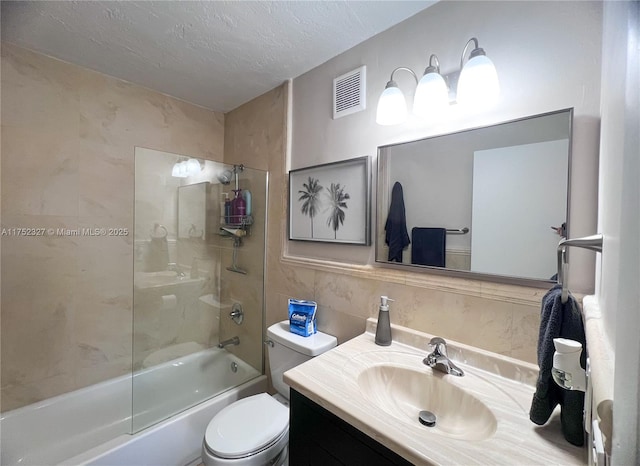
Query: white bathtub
x=91, y=426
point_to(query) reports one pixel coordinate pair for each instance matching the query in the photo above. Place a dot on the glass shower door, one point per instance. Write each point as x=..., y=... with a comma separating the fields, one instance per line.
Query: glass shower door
x=193, y=267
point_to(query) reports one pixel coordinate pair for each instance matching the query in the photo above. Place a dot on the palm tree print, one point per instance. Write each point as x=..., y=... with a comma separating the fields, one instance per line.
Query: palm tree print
x=310, y=199
x=337, y=202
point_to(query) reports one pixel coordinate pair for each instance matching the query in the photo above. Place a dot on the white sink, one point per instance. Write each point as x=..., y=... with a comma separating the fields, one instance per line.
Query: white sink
x=403, y=392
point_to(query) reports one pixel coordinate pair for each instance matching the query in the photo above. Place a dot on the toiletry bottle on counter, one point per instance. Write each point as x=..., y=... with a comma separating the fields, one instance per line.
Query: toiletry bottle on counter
x=383, y=329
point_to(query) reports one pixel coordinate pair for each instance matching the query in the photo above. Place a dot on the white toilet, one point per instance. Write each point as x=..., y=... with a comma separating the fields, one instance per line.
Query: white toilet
x=254, y=431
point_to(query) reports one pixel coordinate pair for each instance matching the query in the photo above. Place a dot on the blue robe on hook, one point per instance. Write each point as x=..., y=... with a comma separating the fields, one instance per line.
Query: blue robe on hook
x=396, y=237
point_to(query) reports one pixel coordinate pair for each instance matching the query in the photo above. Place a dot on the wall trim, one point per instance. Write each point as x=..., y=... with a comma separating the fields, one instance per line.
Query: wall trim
x=514, y=294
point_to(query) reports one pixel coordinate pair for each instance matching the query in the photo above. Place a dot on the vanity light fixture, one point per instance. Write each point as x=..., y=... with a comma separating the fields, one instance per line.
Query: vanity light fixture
x=185, y=168
x=476, y=83
x=392, y=108
x=432, y=93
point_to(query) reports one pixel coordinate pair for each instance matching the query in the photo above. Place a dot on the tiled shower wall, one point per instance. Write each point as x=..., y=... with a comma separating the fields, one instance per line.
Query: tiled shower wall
x=68, y=138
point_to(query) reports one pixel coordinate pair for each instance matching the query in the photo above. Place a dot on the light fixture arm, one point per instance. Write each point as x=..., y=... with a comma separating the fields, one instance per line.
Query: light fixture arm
x=433, y=68
x=474, y=52
x=393, y=83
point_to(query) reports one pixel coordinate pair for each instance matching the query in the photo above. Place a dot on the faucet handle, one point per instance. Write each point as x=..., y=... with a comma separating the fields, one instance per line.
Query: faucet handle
x=439, y=345
x=437, y=341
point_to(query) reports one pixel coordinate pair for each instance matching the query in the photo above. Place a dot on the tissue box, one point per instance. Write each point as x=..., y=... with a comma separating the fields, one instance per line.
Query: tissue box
x=302, y=317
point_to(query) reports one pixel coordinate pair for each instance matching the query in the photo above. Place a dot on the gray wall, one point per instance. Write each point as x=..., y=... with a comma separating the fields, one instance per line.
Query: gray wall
x=547, y=55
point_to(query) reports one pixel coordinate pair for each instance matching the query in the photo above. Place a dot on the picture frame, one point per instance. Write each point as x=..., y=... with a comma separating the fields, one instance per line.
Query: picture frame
x=331, y=202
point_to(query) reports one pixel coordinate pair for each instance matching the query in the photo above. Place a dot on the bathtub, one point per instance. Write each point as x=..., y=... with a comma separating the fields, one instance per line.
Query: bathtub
x=92, y=426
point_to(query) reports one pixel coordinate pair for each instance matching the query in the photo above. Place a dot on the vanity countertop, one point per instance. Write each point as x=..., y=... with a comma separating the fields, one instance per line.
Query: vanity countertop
x=329, y=381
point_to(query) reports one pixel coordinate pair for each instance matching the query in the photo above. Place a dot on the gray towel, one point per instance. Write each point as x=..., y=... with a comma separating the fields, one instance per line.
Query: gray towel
x=565, y=321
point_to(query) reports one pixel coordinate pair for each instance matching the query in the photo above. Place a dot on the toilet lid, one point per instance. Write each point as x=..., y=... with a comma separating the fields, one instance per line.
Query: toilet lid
x=246, y=426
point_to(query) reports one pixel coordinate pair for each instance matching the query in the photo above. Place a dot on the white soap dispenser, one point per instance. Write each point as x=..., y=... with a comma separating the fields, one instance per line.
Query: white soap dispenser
x=383, y=329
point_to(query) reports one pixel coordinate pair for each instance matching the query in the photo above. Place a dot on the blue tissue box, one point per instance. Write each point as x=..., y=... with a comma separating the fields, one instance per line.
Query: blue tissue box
x=302, y=317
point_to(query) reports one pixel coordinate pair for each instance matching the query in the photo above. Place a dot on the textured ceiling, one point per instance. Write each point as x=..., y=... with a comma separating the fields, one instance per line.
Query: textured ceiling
x=218, y=54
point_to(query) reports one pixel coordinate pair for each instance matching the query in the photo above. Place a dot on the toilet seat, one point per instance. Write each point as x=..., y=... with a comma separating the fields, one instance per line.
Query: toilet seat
x=247, y=427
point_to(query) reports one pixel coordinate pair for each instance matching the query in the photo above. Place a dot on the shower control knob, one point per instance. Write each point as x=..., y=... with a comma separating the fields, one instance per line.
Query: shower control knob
x=237, y=314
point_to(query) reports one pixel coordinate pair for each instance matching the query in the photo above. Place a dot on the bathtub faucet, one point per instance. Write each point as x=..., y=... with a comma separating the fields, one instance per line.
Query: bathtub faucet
x=176, y=268
x=231, y=341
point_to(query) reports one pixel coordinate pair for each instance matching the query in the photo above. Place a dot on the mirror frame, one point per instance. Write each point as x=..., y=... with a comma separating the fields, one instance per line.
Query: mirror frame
x=425, y=269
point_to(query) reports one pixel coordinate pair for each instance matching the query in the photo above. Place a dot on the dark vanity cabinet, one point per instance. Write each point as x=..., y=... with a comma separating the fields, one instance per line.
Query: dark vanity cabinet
x=320, y=438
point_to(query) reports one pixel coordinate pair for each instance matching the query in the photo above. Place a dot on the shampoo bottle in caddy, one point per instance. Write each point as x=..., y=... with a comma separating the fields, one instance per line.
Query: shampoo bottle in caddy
x=383, y=329
x=227, y=208
x=238, y=207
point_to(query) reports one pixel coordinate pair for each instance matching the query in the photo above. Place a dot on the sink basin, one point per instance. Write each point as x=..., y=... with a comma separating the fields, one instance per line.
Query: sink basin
x=402, y=389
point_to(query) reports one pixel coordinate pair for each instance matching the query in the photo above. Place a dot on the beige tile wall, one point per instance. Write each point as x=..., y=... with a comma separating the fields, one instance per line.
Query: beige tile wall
x=85, y=125
x=254, y=132
x=68, y=138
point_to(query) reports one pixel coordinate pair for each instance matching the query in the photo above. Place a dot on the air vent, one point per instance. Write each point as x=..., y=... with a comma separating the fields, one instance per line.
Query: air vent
x=349, y=93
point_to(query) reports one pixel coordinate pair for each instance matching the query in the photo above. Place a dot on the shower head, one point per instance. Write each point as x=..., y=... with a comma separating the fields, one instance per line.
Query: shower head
x=225, y=177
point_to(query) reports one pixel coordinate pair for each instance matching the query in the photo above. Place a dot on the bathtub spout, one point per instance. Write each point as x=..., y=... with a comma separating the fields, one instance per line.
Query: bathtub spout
x=231, y=341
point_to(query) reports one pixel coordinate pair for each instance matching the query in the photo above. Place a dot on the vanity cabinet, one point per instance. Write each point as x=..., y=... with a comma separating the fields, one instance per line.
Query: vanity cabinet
x=320, y=438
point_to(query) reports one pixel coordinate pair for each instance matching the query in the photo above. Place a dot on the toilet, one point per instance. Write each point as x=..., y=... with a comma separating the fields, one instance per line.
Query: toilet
x=254, y=431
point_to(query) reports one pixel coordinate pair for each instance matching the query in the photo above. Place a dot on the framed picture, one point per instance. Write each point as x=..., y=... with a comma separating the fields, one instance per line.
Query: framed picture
x=331, y=202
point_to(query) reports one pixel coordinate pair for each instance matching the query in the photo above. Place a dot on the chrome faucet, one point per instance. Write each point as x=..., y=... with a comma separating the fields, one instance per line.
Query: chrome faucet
x=231, y=341
x=438, y=359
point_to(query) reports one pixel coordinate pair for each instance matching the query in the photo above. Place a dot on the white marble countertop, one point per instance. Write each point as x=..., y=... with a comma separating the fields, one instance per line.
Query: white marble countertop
x=505, y=385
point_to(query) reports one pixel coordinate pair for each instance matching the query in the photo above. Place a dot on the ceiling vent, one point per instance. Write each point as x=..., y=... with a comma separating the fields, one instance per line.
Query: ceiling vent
x=349, y=93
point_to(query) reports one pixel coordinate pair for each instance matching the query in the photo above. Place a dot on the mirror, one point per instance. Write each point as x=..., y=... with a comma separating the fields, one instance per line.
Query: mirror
x=486, y=202
x=192, y=210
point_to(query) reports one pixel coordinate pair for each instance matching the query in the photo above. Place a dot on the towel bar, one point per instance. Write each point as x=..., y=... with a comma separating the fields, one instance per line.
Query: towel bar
x=593, y=243
x=457, y=231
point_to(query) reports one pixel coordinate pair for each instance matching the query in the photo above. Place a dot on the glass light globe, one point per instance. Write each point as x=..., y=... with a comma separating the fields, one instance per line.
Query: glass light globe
x=432, y=95
x=392, y=107
x=193, y=167
x=183, y=170
x=176, y=170
x=478, y=84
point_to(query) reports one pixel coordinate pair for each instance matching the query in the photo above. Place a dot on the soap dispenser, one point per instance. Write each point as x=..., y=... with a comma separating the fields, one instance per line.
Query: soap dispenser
x=195, y=273
x=383, y=329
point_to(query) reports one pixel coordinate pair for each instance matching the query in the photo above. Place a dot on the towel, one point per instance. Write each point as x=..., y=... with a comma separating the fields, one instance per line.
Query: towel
x=396, y=236
x=157, y=254
x=558, y=320
x=428, y=246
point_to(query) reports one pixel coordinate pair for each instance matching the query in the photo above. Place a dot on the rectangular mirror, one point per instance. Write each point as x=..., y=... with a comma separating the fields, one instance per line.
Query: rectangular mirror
x=489, y=202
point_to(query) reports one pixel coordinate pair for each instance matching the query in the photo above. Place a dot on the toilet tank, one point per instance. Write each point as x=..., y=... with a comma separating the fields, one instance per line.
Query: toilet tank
x=288, y=350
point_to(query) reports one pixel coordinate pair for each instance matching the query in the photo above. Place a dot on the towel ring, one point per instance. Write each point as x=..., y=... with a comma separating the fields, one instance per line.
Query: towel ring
x=159, y=231
x=593, y=243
